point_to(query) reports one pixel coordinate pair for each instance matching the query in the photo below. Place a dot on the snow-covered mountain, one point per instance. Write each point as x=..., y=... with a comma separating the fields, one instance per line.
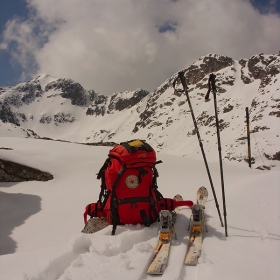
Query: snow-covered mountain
x=62, y=109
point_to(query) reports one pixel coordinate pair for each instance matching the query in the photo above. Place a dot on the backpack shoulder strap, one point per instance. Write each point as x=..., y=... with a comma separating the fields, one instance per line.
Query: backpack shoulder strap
x=115, y=219
x=104, y=193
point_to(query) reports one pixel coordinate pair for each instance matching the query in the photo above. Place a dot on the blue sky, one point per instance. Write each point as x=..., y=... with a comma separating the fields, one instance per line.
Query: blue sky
x=126, y=57
x=10, y=71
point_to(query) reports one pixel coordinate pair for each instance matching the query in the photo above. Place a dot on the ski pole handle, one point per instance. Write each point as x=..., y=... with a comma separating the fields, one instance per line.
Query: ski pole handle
x=182, y=78
x=212, y=80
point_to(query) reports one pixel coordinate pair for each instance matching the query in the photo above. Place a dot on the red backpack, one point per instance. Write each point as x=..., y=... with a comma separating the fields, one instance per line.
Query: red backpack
x=129, y=192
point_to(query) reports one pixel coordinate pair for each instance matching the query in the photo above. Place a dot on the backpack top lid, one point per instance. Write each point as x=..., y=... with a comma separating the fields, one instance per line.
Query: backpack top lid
x=134, y=151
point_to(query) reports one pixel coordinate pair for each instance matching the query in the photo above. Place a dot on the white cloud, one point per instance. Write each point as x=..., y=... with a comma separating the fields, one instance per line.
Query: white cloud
x=116, y=45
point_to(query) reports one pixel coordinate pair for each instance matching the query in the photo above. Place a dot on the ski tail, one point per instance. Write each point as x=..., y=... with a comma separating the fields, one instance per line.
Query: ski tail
x=160, y=256
x=197, y=227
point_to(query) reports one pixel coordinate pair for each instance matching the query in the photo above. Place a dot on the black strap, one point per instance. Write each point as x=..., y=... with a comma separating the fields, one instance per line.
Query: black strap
x=153, y=214
x=103, y=168
x=211, y=85
x=105, y=198
x=159, y=196
x=145, y=218
x=133, y=200
x=101, y=175
x=114, y=229
x=165, y=204
x=141, y=173
x=115, y=219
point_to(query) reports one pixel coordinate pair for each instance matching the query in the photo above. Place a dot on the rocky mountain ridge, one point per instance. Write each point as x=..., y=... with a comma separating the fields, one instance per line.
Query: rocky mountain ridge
x=63, y=109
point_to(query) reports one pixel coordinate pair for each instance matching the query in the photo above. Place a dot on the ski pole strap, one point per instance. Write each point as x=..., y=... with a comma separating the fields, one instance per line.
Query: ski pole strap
x=212, y=79
x=211, y=85
x=174, y=84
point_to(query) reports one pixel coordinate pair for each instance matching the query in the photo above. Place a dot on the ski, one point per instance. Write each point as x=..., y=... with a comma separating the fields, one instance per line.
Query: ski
x=198, y=222
x=160, y=257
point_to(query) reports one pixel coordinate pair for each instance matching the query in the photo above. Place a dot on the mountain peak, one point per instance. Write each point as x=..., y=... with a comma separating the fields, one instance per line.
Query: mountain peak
x=61, y=108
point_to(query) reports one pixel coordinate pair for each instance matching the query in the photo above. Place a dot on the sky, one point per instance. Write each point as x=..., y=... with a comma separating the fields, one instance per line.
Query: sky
x=111, y=46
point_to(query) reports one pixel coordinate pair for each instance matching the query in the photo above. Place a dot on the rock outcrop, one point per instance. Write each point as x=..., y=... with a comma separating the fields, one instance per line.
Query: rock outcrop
x=15, y=172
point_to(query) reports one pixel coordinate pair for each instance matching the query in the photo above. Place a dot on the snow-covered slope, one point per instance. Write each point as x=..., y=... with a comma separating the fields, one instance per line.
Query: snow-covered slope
x=63, y=109
x=40, y=235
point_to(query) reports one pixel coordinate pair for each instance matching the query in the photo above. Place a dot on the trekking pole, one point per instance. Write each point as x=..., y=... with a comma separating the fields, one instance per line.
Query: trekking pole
x=212, y=86
x=248, y=136
x=185, y=89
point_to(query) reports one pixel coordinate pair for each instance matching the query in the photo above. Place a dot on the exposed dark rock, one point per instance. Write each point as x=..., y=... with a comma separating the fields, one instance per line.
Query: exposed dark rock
x=257, y=71
x=96, y=111
x=98, y=106
x=144, y=120
x=242, y=62
x=63, y=118
x=205, y=120
x=276, y=156
x=227, y=109
x=275, y=113
x=15, y=172
x=263, y=167
x=70, y=90
x=23, y=93
x=106, y=144
x=258, y=128
x=211, y=63
x=45, y=119
x=31, y=134
x=245, y=78
x=31, y=91
x=242, y=138
x=263, y=68
x=6, y=114
x=118, y=103
x=223, y=124
x=92, y=95
x=22, y=116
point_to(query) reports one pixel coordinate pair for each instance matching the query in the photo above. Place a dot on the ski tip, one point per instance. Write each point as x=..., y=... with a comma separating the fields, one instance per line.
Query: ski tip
x=202, y=196
x=178, y=197
x=202, y=190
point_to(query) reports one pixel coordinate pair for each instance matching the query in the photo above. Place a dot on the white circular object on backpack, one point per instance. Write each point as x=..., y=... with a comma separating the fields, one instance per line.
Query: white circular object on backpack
x=132, y=181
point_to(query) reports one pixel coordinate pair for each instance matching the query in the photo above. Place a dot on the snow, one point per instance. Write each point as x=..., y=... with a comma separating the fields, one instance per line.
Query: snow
x=162, y=117
x=41, y=222
x=45, y=79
